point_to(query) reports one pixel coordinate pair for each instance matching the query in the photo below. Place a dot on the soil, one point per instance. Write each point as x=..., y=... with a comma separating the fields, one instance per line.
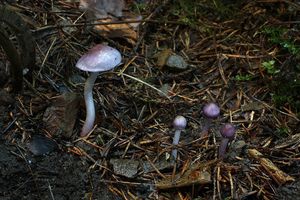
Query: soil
x=59, y=176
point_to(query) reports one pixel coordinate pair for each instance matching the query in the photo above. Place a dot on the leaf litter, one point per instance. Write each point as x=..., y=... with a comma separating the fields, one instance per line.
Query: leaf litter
x=127, y=154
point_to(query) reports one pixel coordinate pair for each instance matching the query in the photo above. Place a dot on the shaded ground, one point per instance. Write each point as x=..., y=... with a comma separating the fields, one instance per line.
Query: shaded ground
x=243, y=56
x=57, y=176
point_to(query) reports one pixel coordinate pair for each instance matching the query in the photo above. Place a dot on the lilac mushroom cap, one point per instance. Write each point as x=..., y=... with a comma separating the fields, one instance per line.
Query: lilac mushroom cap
x=179, y=124
x=227, y=131
x=211, y=110
x=98, y=59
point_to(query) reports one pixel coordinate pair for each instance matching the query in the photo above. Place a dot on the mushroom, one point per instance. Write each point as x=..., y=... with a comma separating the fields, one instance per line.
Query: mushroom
x=227, y=131
x=98, y=59
x=210, y=111
x=179, y=124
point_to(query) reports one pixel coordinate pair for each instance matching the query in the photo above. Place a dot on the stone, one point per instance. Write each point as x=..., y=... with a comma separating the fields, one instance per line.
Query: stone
x=125, y=167
x=175, y=61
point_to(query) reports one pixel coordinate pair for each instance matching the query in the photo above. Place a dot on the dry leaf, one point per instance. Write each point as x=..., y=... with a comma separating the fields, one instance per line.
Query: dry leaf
x=196, y=174
x=117, y=31
x=61, y=116
x=162, y=57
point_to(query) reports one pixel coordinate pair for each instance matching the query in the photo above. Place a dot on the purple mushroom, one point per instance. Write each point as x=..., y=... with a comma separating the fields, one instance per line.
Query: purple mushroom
x=210, y=112
x=179, y=124
x=98, y=59
x=227, y=131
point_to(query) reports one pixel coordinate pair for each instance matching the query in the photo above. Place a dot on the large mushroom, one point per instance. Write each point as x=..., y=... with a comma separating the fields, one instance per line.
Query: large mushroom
x=98, y=59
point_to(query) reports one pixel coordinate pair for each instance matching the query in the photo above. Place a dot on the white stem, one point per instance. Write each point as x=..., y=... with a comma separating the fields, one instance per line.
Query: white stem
x=89, y=104
x=175, y=142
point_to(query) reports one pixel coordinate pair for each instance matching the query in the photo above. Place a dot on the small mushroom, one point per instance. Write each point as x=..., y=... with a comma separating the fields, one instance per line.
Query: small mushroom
x=179, y=124
x=227, y=131
x=210, y=111
x=98, y=59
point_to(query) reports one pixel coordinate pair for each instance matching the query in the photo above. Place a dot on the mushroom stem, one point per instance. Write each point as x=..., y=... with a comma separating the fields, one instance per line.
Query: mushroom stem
x=223, y=147
x=206, y=127
x=175, y=142
x=89, y=104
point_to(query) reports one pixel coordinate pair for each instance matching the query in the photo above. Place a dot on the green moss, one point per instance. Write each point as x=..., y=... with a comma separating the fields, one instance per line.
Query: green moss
x=286, y=81
x=186, y=11
x=269, y=66
x=287, y=92
x=280, y=36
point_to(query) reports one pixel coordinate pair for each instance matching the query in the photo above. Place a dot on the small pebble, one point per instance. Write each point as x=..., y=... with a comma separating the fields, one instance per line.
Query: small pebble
x=40, y=145
x=175, y=61
x=125, y=167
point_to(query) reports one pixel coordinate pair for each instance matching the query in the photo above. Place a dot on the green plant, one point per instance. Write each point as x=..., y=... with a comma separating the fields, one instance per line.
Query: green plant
x=281, y=36
x=246, y=77
x=139, y=7
x=282, y=132
x=270, y=68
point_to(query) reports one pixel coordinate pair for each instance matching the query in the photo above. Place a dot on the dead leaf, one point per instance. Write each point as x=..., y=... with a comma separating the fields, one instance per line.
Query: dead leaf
x=60, y=117
x=162, y=57
x=117, y=31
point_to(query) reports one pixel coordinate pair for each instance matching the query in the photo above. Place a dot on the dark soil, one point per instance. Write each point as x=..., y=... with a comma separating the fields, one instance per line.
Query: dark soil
x=58, y=175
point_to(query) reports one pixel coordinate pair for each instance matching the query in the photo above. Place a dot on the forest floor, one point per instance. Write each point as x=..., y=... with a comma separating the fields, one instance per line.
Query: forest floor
x=243, y=56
